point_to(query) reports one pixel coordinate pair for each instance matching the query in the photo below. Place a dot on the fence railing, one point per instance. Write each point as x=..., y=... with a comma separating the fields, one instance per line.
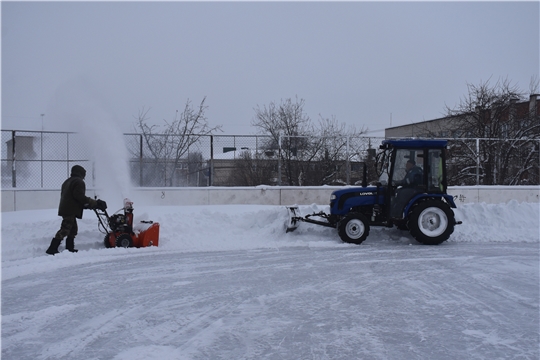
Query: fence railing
x=43, y=159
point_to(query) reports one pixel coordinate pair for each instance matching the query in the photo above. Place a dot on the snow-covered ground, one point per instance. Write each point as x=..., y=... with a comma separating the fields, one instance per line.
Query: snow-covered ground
x=227, y=282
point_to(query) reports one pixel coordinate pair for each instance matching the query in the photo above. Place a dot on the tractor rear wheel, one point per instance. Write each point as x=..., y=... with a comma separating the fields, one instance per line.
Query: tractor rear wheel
x=354, y=228
x=124, y=240
x=431, y=222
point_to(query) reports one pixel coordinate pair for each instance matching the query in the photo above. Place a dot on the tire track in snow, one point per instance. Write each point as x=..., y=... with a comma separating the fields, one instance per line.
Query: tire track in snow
x=89, y=332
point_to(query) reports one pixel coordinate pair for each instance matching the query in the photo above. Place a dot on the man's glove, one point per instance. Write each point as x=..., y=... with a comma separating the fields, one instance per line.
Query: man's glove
x=91, y=204
x=101, y=205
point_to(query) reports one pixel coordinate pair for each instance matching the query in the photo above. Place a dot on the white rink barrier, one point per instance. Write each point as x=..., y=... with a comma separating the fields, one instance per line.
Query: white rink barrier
x=13, y=200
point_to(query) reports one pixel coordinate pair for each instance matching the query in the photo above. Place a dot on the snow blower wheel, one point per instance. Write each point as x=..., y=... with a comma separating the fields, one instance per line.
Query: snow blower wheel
x=124, y=240
x=106, y=241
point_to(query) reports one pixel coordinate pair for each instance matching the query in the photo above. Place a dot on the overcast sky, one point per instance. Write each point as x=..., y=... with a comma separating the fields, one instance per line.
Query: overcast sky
x=366, y=63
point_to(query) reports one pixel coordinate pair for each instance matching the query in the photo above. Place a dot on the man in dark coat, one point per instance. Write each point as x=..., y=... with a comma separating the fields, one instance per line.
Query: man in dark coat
x=414, y=175
x=73, y=200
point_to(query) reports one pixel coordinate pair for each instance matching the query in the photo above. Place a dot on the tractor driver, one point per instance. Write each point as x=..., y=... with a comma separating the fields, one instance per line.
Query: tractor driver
x=413, y=177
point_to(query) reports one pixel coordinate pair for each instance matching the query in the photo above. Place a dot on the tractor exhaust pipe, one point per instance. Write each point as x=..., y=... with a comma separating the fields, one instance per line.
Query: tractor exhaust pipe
x=364, y=177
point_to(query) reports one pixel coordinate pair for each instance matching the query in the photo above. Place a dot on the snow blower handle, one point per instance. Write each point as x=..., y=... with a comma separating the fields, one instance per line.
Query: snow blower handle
x=103, y=220
x=101, y=205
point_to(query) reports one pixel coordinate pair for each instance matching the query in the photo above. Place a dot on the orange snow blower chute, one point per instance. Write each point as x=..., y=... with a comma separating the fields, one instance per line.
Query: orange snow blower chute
x=120, y=232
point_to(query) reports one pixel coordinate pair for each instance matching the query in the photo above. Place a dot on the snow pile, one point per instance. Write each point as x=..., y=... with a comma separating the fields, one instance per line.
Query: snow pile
x=27, y=234
x=511, y=222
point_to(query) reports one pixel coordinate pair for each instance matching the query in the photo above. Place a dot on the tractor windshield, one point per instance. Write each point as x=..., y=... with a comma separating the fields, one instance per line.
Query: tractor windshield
x=408, y=168
x=413, y=167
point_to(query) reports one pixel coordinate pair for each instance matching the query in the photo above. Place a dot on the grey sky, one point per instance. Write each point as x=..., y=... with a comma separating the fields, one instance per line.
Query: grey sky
x=357, y=61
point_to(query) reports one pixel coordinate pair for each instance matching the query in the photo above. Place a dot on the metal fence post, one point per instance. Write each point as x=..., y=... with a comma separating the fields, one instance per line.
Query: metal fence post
x=279, y=160
x=41, y=155
x=348, y=164
x=477, y=161
x=211, y=172
x=67, y=152
x=13, y=167
x=141, y=160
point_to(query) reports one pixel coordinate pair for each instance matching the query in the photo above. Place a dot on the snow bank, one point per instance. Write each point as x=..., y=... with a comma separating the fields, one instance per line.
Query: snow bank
x=511, y=222
x=27, y=234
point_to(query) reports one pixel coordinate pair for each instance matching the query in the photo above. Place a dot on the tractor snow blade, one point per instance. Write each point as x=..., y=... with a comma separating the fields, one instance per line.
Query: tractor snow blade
x=292, y=221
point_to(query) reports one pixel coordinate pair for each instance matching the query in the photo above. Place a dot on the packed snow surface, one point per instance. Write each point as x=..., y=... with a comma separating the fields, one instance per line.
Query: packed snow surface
x=227, y=282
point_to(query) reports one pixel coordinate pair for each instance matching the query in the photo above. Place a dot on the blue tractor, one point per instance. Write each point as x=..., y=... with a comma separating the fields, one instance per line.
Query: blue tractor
x=410, y=194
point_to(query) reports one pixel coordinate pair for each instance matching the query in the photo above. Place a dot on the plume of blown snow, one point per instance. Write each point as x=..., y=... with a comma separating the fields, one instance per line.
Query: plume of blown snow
x=82, y=109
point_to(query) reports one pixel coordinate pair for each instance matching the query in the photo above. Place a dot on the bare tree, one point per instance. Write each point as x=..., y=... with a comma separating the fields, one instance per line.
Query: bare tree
x=311, y=154
x=509, y=128
x=170, y=146
x=330, y=152
x=286, y=122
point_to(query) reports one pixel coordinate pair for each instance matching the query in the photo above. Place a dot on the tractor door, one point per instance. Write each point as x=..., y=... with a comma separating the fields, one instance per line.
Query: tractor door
x=408, y=179
x=414, y=172
x=436, y=171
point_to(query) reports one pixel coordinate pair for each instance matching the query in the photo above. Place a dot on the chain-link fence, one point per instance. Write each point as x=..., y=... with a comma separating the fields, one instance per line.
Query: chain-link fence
x=203, y=160
x=40, y=159
x=43, y=159
x=313, y=161
x=493, y=162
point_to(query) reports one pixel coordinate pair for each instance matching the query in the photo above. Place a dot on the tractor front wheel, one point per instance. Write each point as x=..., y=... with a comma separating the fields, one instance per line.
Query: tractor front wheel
x=431, y=222
x=354, y=228
x=124, y=240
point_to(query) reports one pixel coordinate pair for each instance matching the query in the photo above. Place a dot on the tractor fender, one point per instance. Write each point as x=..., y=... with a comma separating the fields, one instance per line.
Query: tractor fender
x=448, y=198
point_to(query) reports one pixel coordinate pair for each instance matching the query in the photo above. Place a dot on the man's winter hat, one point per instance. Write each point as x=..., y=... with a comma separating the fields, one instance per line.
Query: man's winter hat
x=78, y=170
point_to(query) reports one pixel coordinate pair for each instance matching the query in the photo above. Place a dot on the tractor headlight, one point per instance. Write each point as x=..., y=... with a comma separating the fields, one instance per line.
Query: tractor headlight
x=332, y=197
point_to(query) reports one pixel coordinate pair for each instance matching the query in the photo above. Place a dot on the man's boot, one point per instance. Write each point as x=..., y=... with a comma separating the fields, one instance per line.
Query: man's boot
x=70, y=245
x=53, y=248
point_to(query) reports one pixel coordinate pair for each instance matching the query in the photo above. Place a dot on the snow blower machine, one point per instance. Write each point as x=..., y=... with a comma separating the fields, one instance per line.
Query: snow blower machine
x=410, y=193
x=120, y=232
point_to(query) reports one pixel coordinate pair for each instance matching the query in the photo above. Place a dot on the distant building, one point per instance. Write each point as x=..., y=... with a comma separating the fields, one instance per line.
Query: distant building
x=24, y=148
x=447, y=127
x=24, y=152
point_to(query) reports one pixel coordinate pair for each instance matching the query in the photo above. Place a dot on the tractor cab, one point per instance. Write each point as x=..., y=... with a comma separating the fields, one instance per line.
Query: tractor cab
x=409, y=169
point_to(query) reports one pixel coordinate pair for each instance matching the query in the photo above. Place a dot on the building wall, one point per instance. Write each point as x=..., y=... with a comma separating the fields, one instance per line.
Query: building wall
x=444, y=127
